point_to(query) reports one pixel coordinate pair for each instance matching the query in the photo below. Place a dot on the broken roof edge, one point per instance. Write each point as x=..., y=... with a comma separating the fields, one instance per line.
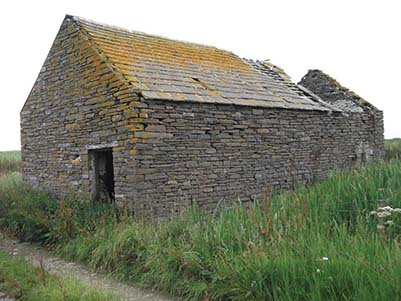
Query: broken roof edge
x=357, y=98
x=281, y=75
x=317, y=98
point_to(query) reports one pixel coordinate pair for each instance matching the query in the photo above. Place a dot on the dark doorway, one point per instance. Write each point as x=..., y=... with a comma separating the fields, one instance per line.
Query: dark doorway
x=101, y=175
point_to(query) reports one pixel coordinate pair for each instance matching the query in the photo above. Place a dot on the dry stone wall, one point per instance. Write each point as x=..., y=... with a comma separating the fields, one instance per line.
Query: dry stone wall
x=168, y=155
x=207, y=153
x=78, y=103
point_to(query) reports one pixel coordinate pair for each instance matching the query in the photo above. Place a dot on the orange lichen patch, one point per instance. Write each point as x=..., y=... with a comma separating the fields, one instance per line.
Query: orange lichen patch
x=136, y=104
x=132, y=48
x=84, y=46
x=143, y=113
x=76, y=161
x=165, y=69
x=136, y=127
x=133, y=152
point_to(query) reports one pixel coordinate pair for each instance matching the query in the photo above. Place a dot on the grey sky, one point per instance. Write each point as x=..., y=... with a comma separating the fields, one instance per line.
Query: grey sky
x=356, y=42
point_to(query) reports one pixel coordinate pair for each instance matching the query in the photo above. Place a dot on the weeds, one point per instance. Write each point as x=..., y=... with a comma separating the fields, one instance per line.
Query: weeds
x=317, y=243
x=393, y=148
x=20, y=281
x=10, y=162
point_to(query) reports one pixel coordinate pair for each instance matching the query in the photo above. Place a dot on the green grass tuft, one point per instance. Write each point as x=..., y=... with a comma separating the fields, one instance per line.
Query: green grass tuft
x=393, y=148
x=21, y=281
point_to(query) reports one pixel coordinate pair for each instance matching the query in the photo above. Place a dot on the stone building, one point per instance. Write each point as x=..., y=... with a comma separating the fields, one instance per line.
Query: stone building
x=159, y=124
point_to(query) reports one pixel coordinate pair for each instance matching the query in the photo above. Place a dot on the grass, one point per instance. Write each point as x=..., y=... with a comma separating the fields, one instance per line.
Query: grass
x=393, y=148
x=10, y=161
x=318, y=243
x=21, y=281
x=13, y=155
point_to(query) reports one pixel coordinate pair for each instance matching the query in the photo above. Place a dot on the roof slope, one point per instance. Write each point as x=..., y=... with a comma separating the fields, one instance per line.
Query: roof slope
x=160, y=68
x=334, y=93
x=279, y=75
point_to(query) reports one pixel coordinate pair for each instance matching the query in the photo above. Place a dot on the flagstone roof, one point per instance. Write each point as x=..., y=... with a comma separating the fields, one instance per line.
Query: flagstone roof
x=165, y=69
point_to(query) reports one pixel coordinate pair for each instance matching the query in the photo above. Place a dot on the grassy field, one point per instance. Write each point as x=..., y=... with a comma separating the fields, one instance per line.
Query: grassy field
x=336, y=240
x=10, y=161
x=393, y=148
x=21, y=281
x=11, y=155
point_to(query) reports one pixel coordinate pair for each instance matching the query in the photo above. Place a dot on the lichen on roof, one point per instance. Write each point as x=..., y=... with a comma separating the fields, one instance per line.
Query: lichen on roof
x=165, y=69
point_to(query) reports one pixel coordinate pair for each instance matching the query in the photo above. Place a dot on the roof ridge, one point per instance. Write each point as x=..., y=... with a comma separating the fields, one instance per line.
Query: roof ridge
x=96, y=23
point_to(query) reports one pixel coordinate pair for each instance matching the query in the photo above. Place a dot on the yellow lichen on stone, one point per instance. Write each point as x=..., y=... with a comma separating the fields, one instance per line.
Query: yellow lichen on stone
x=132, y=152
x=76, y=161
x=136, y=127
x=144, y=137
x=136, y=120
x=108, y=103
x=143, y=113
x=136, y=104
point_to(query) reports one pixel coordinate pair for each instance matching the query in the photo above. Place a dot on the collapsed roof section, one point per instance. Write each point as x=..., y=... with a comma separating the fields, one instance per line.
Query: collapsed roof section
x=332, y=92
x=279, y=75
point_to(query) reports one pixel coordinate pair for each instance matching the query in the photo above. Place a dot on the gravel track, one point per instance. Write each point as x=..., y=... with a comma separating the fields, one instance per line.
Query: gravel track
x=60, y=267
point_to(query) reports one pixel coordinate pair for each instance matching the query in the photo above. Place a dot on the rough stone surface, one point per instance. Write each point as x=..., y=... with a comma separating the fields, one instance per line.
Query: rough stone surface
x=332, y=92
x=170, y=154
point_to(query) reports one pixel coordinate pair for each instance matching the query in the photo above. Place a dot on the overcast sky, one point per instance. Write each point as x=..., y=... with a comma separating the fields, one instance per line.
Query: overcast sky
x=356, y=42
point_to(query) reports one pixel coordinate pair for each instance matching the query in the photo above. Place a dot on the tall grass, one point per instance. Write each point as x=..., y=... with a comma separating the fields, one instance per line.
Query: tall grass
x=21, y=281
x=317, y=243
x=10, y=161
x=393, y=148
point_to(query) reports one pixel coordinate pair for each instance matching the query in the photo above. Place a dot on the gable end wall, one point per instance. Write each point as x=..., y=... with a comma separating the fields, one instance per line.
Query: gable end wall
x=77, y=103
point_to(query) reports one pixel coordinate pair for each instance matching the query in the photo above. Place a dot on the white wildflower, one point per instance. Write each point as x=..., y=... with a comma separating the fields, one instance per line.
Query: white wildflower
x=318, y=270
x=373, y=212
x=390, y=223
x=397, y=210
x=380, y=227
x=386, y=208
x=383, y=214
x=325, y=258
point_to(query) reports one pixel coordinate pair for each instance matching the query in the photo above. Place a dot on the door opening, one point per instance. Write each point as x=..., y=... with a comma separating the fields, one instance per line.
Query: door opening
x=101, y=175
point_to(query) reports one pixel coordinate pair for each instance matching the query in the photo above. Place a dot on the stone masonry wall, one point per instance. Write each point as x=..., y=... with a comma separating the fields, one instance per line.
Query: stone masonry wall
x=77, y=103
x=167, y=155
x=205, y=153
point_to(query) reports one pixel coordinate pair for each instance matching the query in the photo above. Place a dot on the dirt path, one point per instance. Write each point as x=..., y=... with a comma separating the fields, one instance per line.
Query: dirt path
x=60, y=267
